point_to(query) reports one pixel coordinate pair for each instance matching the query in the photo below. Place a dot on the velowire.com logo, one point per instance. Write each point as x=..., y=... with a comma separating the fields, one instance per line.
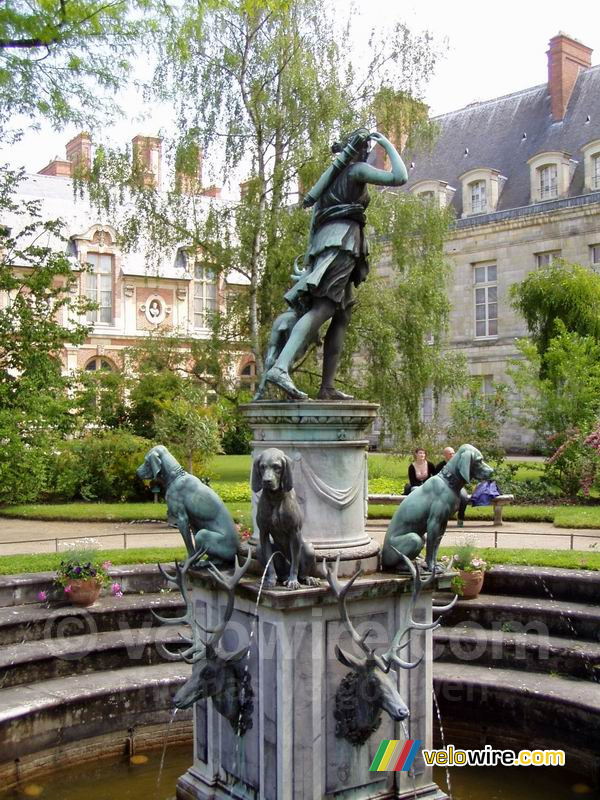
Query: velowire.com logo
x=395, y=755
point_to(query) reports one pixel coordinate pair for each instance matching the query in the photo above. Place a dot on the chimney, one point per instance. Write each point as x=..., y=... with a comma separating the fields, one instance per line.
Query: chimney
x=57, y=168
x=211, y=191
x=188, y=170
x=147, y=151
x=566, y=57
x=79, y=152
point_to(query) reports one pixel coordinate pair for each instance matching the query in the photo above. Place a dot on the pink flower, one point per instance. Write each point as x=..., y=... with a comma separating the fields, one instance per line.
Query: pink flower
x=68, y=588
x=107, y=565
x=42, y=596
x=116, y=590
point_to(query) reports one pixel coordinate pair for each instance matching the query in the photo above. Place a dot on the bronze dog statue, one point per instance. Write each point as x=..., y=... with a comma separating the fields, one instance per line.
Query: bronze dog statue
x=202, y=518
x=279, y=520
x=424, y=514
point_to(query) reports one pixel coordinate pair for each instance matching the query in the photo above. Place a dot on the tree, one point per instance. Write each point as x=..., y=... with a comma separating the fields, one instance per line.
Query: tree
x=558, y=292
x=478, y=419
x=188, y=427
x=58, y=59
x=267, y=86
x=562, y=404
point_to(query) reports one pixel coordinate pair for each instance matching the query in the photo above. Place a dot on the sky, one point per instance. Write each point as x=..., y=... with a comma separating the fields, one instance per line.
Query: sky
x=491, y=49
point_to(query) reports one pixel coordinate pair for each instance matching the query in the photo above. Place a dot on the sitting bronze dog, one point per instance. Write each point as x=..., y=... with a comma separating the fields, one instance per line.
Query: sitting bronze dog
x=202, y=518
x=424, y=514
x=279, y=520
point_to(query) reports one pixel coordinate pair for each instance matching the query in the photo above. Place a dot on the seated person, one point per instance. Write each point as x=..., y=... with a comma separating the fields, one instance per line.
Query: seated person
x=419, y=471
x=448, y=452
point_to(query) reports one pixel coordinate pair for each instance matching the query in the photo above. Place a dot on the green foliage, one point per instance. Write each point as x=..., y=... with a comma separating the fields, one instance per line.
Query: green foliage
x=558, y=292
x=236, y=433
x=58, y=57
x=27, y=451
x=562, y=405
x=188, y=428
x=477, y=419
x=99, y=466
x=400, y=320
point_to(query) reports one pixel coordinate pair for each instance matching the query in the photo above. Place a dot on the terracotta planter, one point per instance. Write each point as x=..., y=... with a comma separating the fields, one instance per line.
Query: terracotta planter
x=84, y=592
x=472, y=583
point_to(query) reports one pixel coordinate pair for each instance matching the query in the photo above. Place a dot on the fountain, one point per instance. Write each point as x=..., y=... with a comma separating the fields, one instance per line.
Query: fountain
x=316, y=697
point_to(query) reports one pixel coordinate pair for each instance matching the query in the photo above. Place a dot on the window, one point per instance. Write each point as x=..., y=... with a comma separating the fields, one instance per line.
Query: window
x=486, y=300
x=596, y=172
x=427, y=197
x=205, y=296
x=99, y=287
x=595, y=255
x=478, y=197
x=543, y=259
x=548, y=176
x=98, y=363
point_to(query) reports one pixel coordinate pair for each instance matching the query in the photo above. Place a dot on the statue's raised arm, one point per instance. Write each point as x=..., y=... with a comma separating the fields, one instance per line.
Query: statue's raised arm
x=336, y=258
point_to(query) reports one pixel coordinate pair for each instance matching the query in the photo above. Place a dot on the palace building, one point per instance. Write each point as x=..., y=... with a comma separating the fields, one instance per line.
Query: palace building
x=522, y=173
x=133, y=298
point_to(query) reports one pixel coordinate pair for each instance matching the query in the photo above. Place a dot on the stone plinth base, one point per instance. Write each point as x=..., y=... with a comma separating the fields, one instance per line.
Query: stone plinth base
x=291, y=751
x=327, y=445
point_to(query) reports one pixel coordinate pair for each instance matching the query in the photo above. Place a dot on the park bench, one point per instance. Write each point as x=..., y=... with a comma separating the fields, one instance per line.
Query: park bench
x=498, y=503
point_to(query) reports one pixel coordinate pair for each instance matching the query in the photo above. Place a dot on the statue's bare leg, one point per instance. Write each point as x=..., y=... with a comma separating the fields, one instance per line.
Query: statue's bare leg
x=332, y=351
x=304, y=331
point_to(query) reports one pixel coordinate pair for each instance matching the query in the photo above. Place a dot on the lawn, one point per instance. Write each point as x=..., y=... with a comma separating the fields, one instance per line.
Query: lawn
x=381, y=465
x=110, y=512
x=568, y=559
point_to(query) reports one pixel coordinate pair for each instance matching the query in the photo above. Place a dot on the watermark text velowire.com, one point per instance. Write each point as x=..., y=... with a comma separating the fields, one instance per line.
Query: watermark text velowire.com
x=398, y=755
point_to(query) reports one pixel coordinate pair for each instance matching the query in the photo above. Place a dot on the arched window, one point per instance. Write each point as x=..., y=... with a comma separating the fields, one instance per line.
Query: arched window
x=99, y=362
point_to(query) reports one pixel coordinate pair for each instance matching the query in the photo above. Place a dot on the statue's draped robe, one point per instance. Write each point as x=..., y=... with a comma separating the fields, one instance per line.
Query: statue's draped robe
x=337, y=249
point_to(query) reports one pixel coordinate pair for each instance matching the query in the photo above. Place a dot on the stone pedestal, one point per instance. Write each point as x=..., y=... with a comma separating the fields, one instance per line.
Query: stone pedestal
x=327, y=444
x=291, y=752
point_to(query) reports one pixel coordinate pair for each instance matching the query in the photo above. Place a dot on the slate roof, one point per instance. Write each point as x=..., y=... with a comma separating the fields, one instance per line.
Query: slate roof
x=492, y=132
x=58, y=201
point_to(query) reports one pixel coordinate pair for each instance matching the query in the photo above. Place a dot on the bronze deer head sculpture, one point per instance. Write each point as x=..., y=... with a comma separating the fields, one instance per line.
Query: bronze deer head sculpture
x=371, y=686
x=216, y=674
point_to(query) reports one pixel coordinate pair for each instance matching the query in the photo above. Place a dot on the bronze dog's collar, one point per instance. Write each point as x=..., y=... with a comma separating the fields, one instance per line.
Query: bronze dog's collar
x=453, y=481
x=177, y=473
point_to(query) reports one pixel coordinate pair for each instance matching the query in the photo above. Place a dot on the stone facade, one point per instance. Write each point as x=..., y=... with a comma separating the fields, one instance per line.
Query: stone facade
x=135, y=298
x=522, y=173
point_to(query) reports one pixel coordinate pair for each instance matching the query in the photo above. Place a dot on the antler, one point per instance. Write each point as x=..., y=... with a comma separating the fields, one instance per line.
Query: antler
x=340, y=593
x=391, y=656
x=229, y=584
x=197, y=648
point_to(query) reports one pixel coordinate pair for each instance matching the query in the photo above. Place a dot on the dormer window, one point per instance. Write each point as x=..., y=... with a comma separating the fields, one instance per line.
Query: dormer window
x=591, y=165
x=550, y=175
x=477, y=196
x=437, y=192
x=480, y=191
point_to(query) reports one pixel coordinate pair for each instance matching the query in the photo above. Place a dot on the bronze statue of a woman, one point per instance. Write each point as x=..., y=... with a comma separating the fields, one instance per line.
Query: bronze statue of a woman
x=336, y=258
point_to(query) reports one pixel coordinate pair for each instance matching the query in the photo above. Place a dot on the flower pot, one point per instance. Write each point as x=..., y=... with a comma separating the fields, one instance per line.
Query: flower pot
x=84, y=592
x=472, y=583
